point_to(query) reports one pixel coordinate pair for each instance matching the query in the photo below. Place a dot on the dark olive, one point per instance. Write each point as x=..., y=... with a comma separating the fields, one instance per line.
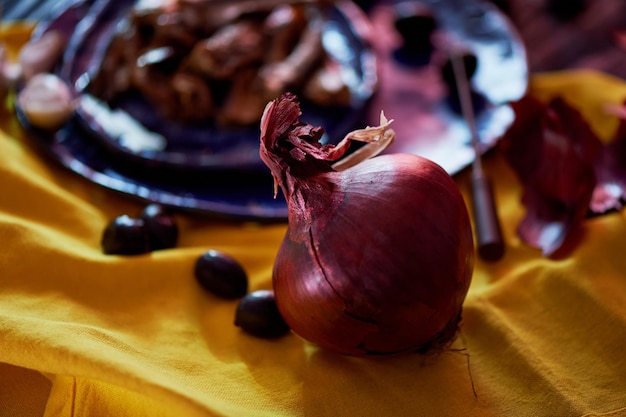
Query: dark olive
x=258, y=315
x=161, y=225
x=125, y=235
x=221, y=275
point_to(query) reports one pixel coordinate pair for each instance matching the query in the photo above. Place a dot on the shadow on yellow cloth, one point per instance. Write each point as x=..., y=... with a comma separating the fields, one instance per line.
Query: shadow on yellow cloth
x=84, y=334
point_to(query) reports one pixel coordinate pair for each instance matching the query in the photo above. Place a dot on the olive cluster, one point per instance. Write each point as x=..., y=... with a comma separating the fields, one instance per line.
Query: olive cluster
x=217, y=272
x=256, y=313
x=155, y=228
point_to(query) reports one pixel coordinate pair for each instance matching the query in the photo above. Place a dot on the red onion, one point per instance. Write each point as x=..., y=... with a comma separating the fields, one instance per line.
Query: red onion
x=378, y=257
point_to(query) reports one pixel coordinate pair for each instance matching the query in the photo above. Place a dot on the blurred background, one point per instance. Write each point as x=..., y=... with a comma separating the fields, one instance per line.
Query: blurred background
x=558, y=34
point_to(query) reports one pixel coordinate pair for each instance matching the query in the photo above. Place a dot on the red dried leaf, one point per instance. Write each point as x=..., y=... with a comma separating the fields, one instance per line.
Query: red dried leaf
x=545, y=146
x=608, y=160
x=619, y=37
x=610, y=166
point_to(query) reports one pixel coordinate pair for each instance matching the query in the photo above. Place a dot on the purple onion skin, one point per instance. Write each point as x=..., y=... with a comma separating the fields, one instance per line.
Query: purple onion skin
x=386, y=262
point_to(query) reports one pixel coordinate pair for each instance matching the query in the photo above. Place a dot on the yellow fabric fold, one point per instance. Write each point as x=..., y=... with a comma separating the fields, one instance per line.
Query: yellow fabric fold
x=86, y=334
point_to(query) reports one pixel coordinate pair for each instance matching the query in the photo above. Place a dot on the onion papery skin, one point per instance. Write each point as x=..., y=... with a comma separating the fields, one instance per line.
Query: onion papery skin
x=377, y=259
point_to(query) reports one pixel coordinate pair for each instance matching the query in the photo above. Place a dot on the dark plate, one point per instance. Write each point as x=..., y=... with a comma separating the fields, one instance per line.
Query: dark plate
x=230, y=195
x=133, y=129
x=426, y=120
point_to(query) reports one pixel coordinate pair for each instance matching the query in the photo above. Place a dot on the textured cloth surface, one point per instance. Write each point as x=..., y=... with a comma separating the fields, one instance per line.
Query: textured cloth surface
x=86, y=334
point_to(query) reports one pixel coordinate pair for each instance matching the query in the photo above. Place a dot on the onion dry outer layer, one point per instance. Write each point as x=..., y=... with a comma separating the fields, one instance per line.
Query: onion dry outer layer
x=377, y=258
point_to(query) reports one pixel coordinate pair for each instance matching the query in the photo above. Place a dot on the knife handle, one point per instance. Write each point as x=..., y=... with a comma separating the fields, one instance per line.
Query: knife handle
x=488, y=230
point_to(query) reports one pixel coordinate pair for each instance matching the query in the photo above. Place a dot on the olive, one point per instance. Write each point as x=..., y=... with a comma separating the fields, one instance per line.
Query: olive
x=161, y=225
x=258, y=315
x=125, y=235
x=221, y=275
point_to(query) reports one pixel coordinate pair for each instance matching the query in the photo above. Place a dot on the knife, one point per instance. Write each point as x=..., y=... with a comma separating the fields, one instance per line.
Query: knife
x=487, y=227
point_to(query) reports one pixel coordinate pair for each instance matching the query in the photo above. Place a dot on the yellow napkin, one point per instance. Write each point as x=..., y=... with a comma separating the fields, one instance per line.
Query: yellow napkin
x=86, y=334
